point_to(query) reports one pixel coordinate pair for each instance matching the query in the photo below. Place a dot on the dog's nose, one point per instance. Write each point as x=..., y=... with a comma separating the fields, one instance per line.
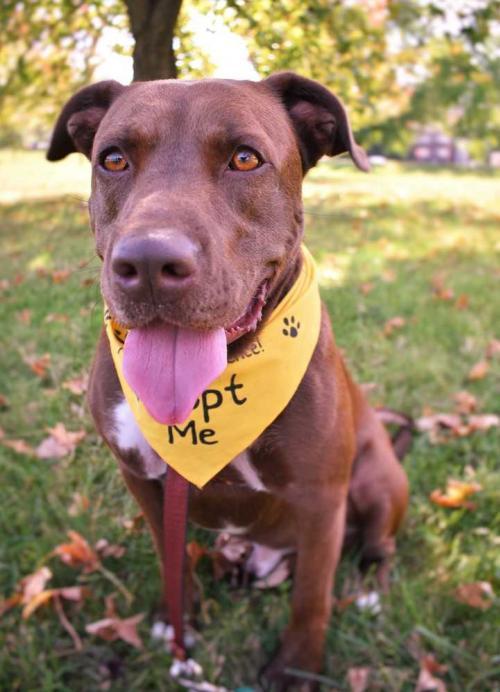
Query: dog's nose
x=153, y=262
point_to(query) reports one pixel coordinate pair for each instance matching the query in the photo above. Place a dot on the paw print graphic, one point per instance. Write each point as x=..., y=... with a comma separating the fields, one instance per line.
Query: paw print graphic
x=291, y=327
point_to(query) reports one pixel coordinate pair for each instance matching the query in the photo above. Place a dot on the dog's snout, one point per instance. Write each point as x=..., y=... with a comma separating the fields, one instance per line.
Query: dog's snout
x=153, y=263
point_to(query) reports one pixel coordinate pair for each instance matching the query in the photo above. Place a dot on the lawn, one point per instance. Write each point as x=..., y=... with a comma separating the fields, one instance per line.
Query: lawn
x=421, y=245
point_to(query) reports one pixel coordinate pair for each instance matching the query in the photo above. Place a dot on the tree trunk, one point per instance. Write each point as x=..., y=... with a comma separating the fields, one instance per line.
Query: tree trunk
x=152, y=23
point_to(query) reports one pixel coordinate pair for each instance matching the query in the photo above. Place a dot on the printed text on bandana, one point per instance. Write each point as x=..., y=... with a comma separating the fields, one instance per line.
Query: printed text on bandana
x=210, y=400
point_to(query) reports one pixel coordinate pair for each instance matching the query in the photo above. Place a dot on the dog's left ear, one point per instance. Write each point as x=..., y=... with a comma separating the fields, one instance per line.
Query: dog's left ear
x=319, y=119
x=79, y=120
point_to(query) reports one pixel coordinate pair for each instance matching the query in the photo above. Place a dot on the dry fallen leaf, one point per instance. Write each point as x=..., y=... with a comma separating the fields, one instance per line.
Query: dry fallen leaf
x=59, y=443
x=358, y=679
x=4, y=402
x=113, y=628
x=77, y=385
x=388, y=275
x=19, y=446
x=456, y=494
x=462, y=302
x=465, y=402
x=493, y=349
x=24, y=316
x=479, y=370
x=135, y=524
x=427, y=682
x=477, y=594
x=77, y=553
x=484, y=421
x=38, y=364
x=79, y=504
x=445, y=420
x=394, y=323
x=457, y=425
x=59, y=276
x=57, y=317
x=441, y=292
x=107, y=549
x=33, y=584
x=7, y=604
x=70, y=593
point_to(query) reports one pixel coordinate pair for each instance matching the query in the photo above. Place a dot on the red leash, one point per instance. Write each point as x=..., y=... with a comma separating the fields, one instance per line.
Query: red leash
x=175, y=505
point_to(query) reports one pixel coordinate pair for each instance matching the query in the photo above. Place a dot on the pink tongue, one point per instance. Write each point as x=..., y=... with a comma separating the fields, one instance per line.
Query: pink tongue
x=169, y=367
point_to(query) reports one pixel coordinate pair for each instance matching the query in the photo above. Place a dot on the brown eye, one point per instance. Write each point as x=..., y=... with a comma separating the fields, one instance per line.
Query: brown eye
x=114, y=162
x=245, y=159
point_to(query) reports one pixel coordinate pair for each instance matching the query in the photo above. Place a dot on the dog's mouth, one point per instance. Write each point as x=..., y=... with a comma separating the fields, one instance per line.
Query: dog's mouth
x=169, y=366
x=249, y=320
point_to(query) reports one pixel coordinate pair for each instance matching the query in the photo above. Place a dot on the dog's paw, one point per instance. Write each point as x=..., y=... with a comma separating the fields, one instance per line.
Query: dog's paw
x=295, y=667
x=277, y=676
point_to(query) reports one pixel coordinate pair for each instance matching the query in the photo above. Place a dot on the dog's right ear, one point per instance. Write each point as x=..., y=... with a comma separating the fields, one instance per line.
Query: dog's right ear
x=79, y=119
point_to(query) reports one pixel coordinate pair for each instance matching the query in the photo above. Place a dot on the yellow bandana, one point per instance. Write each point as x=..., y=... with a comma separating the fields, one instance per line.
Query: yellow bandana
x=249, y=395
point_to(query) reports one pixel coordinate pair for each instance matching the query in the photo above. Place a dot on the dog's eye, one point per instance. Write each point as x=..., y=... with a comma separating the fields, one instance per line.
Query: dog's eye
x=114, y=161
x=245, y=159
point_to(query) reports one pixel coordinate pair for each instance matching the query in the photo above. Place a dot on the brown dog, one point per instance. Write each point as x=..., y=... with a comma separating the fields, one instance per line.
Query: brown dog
x=196, y=209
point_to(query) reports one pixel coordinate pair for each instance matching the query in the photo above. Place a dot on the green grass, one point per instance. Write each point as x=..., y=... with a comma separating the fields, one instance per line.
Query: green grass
x=399, y=223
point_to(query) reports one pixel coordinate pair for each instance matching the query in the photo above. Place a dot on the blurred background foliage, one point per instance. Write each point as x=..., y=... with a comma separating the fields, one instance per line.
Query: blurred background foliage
x=396, y=63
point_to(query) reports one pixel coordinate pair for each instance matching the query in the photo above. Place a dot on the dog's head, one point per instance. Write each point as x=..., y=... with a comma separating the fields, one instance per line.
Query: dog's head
x=196, y=191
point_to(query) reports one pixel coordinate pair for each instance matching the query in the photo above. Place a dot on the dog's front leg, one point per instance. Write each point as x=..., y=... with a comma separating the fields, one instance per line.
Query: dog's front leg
x=320, y=534
x=149, y=495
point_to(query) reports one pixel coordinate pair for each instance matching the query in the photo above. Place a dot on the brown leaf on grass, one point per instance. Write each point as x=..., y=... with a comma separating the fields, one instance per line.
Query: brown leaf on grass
x=493, y=349
x=358, y=679
x=462, y=302
x=34, y=584
x=38, y=364
x=70, y=593
x=483, y=422
x=59, y=276
x=444, y=420
x=77, y=553
x=77, y=385
x=477, y=594
x=79, y=504
x=394, y=323
x=7, y=604
x=4, y=402
x=441, y=292
x=465, y=402
x=112, y=628
x=479, y=370
x=107, y=549
x=457, y=425
x=57, y=317
x=388, y=275
x=456, y=494
x=19, y=446
x=135, y=524
x=88, y=282
x=195, y=551
x=24, y=316
x=60, y=442
x=427, y=682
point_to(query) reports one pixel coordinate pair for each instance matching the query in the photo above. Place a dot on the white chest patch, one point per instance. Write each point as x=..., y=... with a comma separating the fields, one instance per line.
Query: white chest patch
x=128, y=437
x=247, y=472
